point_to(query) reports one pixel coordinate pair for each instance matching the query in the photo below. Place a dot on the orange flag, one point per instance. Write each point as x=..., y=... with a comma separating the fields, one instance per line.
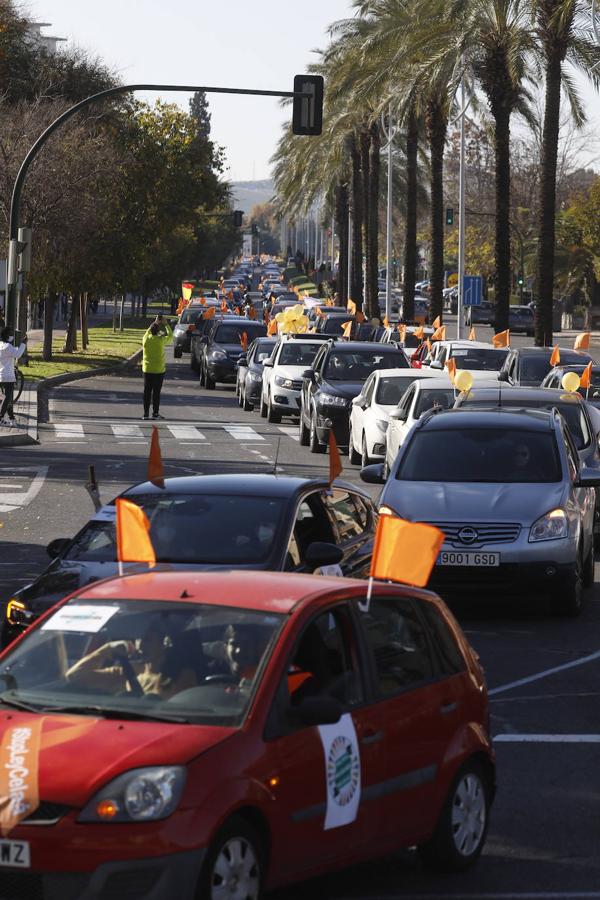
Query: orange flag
x=405, y=551
x=251, y=313
x=224, y=307
x=428, y=345
x=502, y=339
x=419, y=333
x=329, y=303
x=582, y=341
x=335, y=462
x=472, y=335
x=439, y=334
x=202, y=301
x=555, y=358
x=451, y=366
x=351, y=307
x=230, y=295
x=437, y=322
x=209, y=312
x=19, y=769
x=244, y=340
x=586, y=377
x=156, y=472
x=402, y=333
x=386, y=322
x=236, y=311
x=133, y=534
x=272, y=329
x=347, y=329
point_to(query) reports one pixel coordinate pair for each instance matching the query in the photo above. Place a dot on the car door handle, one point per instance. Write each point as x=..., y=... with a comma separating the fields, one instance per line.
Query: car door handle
x=447, y=708
x=371, y=737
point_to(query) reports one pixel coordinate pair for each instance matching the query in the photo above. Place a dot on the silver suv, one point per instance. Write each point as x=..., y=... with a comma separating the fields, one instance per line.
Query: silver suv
x=509, y=492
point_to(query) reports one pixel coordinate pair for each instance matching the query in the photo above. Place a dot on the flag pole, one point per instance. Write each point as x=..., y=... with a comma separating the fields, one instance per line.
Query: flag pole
x=364, y=607
x=120, y=569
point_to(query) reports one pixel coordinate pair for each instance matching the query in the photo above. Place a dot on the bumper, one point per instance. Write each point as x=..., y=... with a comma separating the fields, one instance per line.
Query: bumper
x=253, y=390
x=285, y=400
x=158, y=878
x=336, y=420
x=223, y=371
x=546, y=576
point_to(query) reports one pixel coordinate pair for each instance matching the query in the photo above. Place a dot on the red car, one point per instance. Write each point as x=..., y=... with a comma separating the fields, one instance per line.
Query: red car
x=185, y=735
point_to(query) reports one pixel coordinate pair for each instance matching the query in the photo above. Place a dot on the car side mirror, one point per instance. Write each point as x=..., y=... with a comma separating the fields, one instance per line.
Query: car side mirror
x=373, y=474
x=436, y=364
x=242, y=361
x=309, y=373
x=268, y=364
x=317, y=711
x=204, y=339
x=56, y=547
x=588, y=478
x=502, y=375
x=322, y=553
x=401, y=415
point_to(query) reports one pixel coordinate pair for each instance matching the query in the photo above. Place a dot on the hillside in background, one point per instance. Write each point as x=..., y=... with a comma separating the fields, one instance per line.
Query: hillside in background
x=248, y=193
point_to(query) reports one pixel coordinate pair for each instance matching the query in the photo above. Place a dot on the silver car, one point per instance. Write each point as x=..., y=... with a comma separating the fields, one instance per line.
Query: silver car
x=511, y=495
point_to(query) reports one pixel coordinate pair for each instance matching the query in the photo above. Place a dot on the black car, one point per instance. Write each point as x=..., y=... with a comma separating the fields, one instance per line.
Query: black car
x=244, y=521
x=555, y=377
x=191, y=315
x=250, y=369
x=521, y=318
x=223, y=347
x=198, y=339
x=336, y=377
x=528, y=366
x=332, y=323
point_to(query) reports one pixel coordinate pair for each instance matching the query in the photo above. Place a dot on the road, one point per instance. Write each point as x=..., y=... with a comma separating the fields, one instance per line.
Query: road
x=544, y=832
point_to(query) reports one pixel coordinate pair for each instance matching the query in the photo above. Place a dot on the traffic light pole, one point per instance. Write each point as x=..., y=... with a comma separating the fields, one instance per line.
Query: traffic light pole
x=461, y=212
x=15, y=205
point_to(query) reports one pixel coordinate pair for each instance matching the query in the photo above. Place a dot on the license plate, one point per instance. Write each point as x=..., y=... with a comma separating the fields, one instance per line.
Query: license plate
x=470, y=558
x=15, y=854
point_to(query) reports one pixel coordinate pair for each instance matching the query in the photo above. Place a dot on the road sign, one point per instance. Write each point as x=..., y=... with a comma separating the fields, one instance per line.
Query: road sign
x=472, y=290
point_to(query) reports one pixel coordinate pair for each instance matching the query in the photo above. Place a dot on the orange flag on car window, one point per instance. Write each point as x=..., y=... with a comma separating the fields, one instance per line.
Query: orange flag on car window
x=405, y=551
x=419, y=333
x=335, y=461
x=402, y=333
x=451, y=366
x=351, y=307
x=502, y=339
x=555, y=358
x=209, y=312
x=439, y=334
x=347, y=329
x=586, y=377
x=133, y=534
x=251, y=313
x=203, y=301
x=582, y=341
x=244, y=340
x=156, y=471
x=472, y=335
x=386, y=322
x=329, y=303
x=272, y=329
x=224, y=307
x=437, y=322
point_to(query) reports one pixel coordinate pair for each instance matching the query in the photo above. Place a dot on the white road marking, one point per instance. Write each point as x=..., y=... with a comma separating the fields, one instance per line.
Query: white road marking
x=69, y=430
x=17, y=499
x=547, y=739
x=290, y=431
x=186, y=433
x=508, y=895
x=9, y=487
x=127, y=431
x=243, y=433
x=582, y=661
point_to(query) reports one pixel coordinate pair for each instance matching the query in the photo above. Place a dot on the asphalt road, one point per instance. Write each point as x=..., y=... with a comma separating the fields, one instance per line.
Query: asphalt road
x=545, y=828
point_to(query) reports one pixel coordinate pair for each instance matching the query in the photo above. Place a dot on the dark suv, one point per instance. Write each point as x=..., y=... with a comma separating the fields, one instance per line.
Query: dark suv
x=223, y=347
x=337, y=375
x=528, y=366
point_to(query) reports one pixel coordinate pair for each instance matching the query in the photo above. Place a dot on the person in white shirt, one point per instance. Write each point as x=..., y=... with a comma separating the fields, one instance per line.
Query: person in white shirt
x=9, y=354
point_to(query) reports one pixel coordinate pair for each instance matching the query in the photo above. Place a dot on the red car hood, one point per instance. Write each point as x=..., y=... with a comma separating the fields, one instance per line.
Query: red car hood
x=80, y=754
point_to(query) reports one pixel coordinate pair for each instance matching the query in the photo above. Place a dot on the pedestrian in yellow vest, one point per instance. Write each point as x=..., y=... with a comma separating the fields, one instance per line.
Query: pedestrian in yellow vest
x=153, y=364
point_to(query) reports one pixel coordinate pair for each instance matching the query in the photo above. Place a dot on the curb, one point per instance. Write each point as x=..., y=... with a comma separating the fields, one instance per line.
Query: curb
x=36, y=400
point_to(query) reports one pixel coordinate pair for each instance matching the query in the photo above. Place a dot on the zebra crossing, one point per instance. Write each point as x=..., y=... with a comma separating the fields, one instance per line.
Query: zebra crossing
x=82, y=432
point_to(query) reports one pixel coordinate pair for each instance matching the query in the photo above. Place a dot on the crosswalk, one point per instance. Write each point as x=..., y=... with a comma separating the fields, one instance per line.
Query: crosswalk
x=78, y=432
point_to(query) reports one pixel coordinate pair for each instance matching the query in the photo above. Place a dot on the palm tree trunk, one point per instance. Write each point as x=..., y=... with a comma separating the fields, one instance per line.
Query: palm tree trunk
x=356, y=279
x=502, y=153
x=70, y=344
x=365, y=162
x=544, y=282
x=342, y=207
x=372, y=298
x=437, y=124
x=410, y=241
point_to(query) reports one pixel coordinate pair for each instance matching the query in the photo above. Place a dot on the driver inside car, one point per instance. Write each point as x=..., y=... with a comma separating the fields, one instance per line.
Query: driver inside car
x=147, y=665
x=237, y=656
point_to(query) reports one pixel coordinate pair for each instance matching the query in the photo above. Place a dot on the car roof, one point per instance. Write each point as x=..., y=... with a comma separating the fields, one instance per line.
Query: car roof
x=349, y=346
x=483, y=345
x=465, y=418
x=547, y=351
x=523, y=394
x=242, y=485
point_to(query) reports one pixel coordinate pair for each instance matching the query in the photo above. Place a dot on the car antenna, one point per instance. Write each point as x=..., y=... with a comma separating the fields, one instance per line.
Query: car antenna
x=276, y=456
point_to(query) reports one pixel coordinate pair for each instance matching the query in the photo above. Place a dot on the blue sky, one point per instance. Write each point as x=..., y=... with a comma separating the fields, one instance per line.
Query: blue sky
x=230, y=43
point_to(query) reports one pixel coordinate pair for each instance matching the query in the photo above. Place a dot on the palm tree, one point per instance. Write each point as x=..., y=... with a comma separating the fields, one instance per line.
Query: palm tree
x=562, y=30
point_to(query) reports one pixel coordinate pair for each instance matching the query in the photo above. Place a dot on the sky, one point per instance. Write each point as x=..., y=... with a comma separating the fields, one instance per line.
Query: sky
x=257, y=44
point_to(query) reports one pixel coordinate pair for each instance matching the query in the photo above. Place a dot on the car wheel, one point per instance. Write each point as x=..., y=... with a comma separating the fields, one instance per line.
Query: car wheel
x=246, y=405
x=313, y=442
x=202, y=378
x=209, y=383
x=194, y=365
x=353, y=454
x=263, y=406
x=365, y=458
x=177, y=352
x=588, y=568
x=273, y=415
x=235, y=863
x=462, y=827
x=569, y=597
x=304, y=433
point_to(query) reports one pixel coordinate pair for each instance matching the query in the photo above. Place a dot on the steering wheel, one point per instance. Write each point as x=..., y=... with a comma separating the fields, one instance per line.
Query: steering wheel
x=220, y=679
x=136, y=688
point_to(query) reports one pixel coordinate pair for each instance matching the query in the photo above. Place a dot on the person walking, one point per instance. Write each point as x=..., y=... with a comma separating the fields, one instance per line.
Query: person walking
x=153, y=364
x=9, y=354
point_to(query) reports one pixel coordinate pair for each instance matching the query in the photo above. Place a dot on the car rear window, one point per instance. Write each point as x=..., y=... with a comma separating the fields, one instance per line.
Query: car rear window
x=534, y=368
x=440, y=398
x=357, y=365
x=570, y=409
x=231, y=334
x=479, y=359
x=490, y=455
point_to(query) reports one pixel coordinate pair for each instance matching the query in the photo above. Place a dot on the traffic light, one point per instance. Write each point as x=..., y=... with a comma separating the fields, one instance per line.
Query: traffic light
x=520, y=280
x=254, y=228
x=238, y=218
x=307, y=116
x=449, y=216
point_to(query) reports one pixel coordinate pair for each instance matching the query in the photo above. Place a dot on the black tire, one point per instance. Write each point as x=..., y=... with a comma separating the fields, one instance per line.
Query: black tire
x=263, y=407
x=353, y=454
x=365, y=459
x=272, y=414
x=569, y=598
x=313, y=441
x=177, y=352
x=202, y=377
x=194, y=365
x=304, y=433
x=453, y=848
x=253, y=855
x=588, y=568
x=246, y=405
x=209, y=383
x=240, y=399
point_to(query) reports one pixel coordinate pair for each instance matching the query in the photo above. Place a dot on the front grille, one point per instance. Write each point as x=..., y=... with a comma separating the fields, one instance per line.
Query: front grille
x=46, y=814
x=296, y=385
x=485, y=533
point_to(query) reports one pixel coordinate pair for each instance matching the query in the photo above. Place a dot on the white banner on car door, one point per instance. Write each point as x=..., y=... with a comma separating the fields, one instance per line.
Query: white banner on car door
x=342, y=772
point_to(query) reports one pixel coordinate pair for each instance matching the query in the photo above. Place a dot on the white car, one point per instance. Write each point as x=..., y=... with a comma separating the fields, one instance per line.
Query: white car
x=370, y=413
x=282, y=375
x=481, y=359
x=419, y=398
